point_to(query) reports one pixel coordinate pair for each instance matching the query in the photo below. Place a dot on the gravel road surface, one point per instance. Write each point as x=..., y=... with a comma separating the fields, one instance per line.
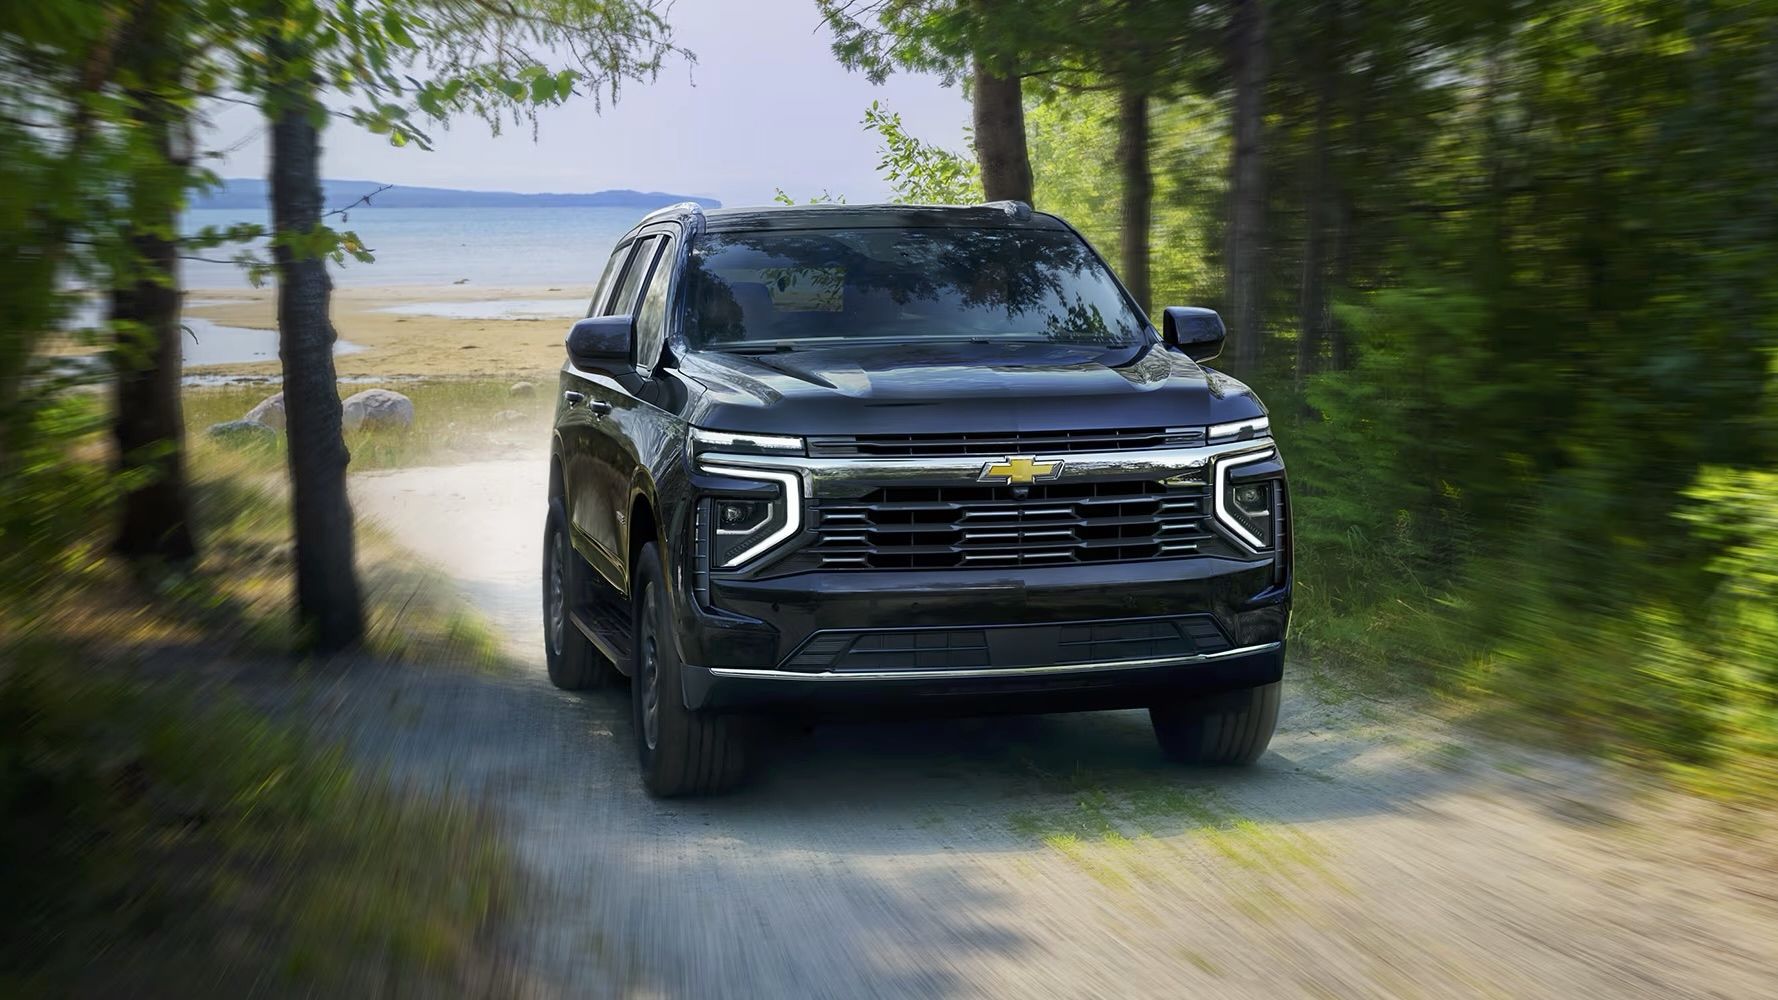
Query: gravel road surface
x=1370, y=853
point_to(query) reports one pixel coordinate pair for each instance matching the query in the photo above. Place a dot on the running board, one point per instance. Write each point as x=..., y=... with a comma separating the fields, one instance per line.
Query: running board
x=608, y=632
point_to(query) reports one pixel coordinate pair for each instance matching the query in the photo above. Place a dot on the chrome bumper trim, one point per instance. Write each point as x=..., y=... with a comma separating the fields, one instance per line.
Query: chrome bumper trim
x=849, y=477
x=1059, y=668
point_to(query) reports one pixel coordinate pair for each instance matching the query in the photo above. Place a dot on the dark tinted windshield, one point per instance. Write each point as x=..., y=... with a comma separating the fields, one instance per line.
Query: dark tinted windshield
x=817, y=287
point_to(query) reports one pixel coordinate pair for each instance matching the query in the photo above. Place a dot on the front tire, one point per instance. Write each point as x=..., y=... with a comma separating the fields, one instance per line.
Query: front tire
x=682, y=752
x=574, y=663
x=1233, y=727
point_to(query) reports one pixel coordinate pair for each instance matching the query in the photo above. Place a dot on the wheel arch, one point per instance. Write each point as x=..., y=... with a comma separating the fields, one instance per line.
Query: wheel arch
x=643, y=525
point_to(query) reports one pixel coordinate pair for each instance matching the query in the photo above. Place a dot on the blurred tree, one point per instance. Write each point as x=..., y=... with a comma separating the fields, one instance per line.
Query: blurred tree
x=154, y=518
x=1246, y=254
x=57, y=61
x=990, y=40
x=490, y=58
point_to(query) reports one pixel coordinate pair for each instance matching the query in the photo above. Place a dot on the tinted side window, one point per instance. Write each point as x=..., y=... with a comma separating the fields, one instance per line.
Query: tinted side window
x=602, y=292
x=625, y=300
x=651, y=321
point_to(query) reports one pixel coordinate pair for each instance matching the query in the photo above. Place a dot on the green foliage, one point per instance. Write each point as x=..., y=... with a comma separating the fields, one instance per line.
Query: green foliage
x=826, y=197
x=918, y=172
x=51, y=500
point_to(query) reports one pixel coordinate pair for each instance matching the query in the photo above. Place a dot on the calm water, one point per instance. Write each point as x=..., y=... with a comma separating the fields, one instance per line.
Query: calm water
x=443, y=246
x=207, y=343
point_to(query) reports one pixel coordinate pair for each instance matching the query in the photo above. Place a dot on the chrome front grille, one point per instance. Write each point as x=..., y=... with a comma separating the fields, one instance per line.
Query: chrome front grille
x=940, y=527
x=1005, y=442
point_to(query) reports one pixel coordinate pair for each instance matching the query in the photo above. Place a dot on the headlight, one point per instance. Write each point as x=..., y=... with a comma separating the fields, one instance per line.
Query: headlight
x=1253, y=428
x=745, y=528
x=742, y=444
x=1245, y=507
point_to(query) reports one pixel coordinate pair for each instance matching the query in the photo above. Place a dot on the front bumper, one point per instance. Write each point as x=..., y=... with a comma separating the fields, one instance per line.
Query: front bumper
x=1056, y=638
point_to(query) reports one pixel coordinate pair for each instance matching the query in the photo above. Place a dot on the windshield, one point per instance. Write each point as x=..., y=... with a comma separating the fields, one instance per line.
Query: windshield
x=784, y=289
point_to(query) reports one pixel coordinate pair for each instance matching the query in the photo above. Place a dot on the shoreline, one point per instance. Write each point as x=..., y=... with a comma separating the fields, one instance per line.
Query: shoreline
x=412, y=342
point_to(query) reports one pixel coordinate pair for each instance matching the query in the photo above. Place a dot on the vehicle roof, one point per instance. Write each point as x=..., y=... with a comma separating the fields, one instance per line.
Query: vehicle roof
x=999, y=215
x=993, y=215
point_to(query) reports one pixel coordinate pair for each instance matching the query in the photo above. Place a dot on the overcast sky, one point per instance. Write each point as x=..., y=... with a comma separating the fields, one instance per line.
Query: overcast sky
x=766, y=105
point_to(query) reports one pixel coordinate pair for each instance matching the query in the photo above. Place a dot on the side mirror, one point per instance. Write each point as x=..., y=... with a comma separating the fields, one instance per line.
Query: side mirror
x=1196, y=332
x=603, y=343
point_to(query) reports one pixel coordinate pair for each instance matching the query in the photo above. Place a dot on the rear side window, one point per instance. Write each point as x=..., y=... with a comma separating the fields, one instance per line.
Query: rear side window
x=625, y=300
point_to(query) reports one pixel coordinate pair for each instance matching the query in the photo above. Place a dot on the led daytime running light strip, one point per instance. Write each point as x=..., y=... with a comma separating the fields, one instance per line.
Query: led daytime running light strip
x=793, y=509
x=1223, y=514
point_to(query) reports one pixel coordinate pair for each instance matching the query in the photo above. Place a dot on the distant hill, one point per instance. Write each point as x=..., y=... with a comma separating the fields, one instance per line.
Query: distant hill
x=250, y=192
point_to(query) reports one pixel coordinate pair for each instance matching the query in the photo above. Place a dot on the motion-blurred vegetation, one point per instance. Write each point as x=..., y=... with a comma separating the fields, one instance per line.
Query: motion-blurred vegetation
x=153, y=815
x=1518, y=316
x=152, y=844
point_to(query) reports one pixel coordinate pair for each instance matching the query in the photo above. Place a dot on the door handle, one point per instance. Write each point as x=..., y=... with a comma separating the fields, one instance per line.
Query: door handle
x=596, y=406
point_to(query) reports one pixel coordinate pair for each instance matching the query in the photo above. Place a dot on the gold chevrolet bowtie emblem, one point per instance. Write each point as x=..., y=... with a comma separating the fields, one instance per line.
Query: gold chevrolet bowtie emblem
x=1020, y=469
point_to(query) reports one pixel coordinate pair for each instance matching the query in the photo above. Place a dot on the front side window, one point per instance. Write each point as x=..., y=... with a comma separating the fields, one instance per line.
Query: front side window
x=651, y=319
x=624, y=303
x=602, y=293
x=827, y=287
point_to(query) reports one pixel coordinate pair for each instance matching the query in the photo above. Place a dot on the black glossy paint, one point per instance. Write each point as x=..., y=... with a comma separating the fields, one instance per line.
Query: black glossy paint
x=626, y=476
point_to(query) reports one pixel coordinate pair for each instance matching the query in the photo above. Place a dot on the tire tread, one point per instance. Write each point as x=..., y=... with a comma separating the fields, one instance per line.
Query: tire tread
x=1232, y=727
x=700, y=753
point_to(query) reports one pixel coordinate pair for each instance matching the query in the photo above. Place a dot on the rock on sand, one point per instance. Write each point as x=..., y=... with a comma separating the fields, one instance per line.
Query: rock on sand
x=378, y=409
x=269, y=412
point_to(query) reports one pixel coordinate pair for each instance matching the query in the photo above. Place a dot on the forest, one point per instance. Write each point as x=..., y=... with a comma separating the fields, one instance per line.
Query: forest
x=1507, y=275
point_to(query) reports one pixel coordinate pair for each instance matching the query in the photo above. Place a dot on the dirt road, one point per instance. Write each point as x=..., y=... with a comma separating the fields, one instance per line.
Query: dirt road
x=1370, y=853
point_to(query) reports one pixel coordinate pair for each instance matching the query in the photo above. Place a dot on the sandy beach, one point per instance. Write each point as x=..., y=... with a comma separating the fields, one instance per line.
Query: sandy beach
x=404, y=331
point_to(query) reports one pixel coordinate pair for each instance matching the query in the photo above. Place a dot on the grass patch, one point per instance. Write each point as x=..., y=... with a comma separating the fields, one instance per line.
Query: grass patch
x=205, y=850
x=156, y=844
x=1112, y=837
x=238, y=598
x=455, y=420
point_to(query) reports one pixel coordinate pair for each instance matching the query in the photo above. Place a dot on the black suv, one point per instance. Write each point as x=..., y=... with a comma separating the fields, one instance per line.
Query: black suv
x=833, y=459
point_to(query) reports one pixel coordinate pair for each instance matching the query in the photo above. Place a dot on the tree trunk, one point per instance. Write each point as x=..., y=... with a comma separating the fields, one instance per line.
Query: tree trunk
x=1315, y=313
x=1339, y=343
x=1247, y=195
x=327, y=596
x=1000, y=136
x=1138, y=193
x=148, y=425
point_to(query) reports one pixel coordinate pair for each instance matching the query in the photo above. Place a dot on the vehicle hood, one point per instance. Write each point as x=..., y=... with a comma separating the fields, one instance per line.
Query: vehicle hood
x=927, y=388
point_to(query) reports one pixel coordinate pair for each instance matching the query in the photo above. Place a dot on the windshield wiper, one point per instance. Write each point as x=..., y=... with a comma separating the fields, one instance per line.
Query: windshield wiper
x=772, y=348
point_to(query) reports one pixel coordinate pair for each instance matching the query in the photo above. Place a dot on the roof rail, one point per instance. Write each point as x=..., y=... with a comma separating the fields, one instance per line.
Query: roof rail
x=689, y=214
x=1019, y=210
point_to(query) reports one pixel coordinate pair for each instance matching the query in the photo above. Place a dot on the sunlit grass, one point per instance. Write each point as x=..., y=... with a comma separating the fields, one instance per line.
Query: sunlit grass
x=455, y=420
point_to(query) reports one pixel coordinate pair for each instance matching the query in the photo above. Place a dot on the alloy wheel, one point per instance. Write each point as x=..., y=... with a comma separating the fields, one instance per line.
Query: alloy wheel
x=651, y=682
x=558, y=593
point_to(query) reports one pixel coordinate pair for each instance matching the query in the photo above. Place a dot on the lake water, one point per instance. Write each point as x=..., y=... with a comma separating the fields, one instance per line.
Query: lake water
x=208, y=343
x=445, y=246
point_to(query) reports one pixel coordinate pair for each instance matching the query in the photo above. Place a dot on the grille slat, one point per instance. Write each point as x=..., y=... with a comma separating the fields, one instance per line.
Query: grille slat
x=1023, y=442
x=1045, y=524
